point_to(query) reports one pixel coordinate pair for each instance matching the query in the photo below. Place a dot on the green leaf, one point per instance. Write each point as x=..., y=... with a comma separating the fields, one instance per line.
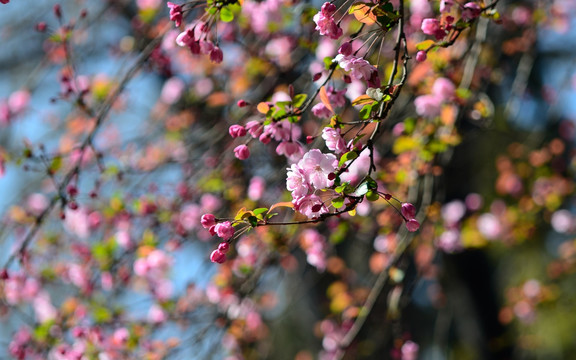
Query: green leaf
x=366, y=111
x=253, y=220
x=299, y=100
x=56, y=164
x=351, y=155
x=226, y=15
x=372, y=195
x=260, y=211
x=338, y=202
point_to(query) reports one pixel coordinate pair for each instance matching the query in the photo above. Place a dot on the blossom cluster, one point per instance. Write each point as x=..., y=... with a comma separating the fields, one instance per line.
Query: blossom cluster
x=308, y=179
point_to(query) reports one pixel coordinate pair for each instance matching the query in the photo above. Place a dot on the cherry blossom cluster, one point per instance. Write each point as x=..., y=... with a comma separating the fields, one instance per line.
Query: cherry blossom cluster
x=310, y=179
x=325, y=23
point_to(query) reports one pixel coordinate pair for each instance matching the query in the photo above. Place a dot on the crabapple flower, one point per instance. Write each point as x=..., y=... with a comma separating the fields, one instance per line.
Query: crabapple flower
x=408, y=210
x=218, y=256
x=428, y=105
x=296, y=181
x=471, y=11
x=175, y=13
x=225, y=230
x=207, y=221
x=242, y=152
x=320, y=110
x=443, y=88
x=359, y=69
x=412, y=225
x=216, y=55
x=310, y=206
x=317, y=168
x=345, y=49
x=446, y=5
x=325, y=23
x=334, y=140
x=237, y=131
x=291, y=149
x=421, y=56
x=430, y=26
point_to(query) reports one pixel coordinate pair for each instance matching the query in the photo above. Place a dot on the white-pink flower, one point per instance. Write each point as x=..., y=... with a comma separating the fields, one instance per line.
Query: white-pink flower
x=334, y=140
x=317, y=168
x=325, y=23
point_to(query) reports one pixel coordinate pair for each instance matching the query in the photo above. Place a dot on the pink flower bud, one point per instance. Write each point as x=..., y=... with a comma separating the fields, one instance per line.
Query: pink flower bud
x=408, y=210
x=430, y=26
x=237, y=131
x=317, y=76
x=41, y=26
x=242, y=103
x=57, y=11
x=216, y=55
x=72, y=190
x=207, y=221
x=345, y=49
x=242, y=152
x=225, y=230
x=217, y=257
x=224, y=247
x=412, y=225
x=421, y=56
x=471, y=11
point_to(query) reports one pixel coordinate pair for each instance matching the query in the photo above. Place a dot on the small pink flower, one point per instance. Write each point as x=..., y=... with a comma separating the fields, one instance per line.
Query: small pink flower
x=325, y=23
x=224, y=247
x=216, y=55
x=254, y=128
x=334, y=140
x=237, y=131
x=310, y=206
x=207, y=221
x=430, y=26
x=225, y=230
x=412, y=225
x=175, y=13
x=345, y=49
x=185, y=38
x=408, y=210
x=428, y=105
x=217, y=257
x=320, y=110
x=421, y=56
x=242, y=152
x=444, y=88
x=291, y=149
x=471, y=11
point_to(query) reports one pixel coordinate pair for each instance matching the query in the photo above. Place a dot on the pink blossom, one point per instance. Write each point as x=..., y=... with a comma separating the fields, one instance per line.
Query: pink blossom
x=336, y=97
x=236, y=131
x=446, y=5
x=360, y=68
x=317, y=168
x=345, y=49
x=444, y=88
x=562, y=221
x=409, y=350
x=421, y=56
x=217, y=257
x=210, y=202
x=310, y=206
x=224, y=247
x=325, y=23
x=156, y=315
x=189, y=215
x=256, y=188
x=408, y=210
x=172, y=90
x=120, y=336
x=334, y=140
x=430, y=26
x=225, y=230
x=471, y=11
x=207, y=220
x=216, y=55
x=320, y=110
x=254, y=128
x=291, y=149
x=242, y=152
x=296, y=181
x=428, y=105
x=412, y=225
x=175, y=13
x=489, y=226
x=450, y=241
x=453, y=212
x=186, y=38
